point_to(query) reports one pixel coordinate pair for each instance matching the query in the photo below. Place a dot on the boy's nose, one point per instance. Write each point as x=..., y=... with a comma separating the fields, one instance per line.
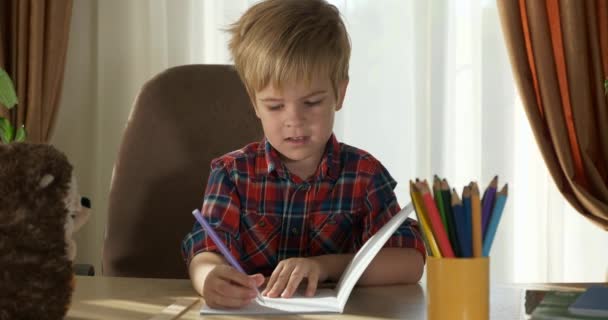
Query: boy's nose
x=294, y=117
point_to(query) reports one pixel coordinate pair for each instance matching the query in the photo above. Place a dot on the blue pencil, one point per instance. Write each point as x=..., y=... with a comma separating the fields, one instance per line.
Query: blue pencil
x=501, y=198
x=459, y=224
x=467, y=210
x=468, y=222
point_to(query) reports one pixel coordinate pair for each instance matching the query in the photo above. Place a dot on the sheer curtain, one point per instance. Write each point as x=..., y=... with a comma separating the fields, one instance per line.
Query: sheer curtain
x=431, y=92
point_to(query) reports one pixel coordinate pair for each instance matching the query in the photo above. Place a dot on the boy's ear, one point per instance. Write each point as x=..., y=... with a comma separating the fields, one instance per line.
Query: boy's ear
x=341, y=94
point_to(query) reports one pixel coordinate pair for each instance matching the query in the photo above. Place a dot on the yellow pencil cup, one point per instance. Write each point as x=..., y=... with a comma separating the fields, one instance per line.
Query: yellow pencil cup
x=458, y=288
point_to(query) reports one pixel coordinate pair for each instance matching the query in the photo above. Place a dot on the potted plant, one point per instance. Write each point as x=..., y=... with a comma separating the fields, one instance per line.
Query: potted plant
x=8, y=98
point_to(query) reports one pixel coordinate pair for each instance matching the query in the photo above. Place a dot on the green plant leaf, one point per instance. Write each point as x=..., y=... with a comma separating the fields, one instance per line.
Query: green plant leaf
x=606, y=86
x=8, y=97
x=6, y=130
x=20, y=135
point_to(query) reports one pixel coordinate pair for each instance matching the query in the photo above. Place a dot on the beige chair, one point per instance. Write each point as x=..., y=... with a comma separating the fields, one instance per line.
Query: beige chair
x=181, y=120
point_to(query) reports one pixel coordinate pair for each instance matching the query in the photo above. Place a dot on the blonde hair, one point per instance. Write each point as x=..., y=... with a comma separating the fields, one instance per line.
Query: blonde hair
x=280, y=41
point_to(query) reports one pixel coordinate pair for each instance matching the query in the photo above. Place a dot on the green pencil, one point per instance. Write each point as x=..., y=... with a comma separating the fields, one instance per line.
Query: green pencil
x=446, y=196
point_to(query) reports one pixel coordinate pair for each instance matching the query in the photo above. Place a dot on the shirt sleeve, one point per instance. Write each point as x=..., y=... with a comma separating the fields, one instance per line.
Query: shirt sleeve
x=382, y=205
x=221, y=208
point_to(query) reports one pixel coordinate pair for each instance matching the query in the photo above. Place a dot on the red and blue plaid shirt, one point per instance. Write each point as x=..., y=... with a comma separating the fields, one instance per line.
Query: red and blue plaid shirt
x=265, y=214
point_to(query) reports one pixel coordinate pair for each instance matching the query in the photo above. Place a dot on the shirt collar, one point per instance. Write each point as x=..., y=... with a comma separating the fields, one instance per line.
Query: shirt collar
x=273, y=160
x=328, y=168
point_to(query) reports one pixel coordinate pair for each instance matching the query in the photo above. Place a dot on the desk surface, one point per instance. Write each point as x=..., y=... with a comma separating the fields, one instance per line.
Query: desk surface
x=133, y=298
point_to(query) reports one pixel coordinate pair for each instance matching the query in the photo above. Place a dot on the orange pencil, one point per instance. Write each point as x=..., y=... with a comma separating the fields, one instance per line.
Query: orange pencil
x=476, y=219
x=433, y=215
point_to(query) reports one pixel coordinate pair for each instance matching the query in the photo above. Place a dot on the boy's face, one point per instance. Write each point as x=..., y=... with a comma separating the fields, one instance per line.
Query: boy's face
x=298, y=120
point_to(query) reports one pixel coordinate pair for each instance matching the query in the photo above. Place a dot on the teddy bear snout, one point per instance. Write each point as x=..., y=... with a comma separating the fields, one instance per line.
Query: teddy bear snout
x=85, y=202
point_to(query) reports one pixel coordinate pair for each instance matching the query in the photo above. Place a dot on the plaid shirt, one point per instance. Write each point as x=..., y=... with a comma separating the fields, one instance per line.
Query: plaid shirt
x=265, y=214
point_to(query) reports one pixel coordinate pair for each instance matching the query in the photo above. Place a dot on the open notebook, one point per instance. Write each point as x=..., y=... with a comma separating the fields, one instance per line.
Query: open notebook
x=326, y=300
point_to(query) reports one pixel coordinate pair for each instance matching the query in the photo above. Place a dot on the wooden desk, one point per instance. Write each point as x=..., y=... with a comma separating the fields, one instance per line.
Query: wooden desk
x=133, y=298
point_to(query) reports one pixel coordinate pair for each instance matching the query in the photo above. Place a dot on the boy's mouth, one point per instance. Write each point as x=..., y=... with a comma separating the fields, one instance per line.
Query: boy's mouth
x=298, y=139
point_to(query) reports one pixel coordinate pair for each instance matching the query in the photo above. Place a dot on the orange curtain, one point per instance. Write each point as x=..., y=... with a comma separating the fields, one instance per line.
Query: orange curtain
x=33, y=45
x=559, y=56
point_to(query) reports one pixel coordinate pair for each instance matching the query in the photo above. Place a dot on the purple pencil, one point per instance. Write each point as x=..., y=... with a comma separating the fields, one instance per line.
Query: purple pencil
x=487, y=204
x=220, y=245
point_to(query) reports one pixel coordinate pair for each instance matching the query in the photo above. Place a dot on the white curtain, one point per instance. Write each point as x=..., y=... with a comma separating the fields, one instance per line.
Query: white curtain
x=431, y=92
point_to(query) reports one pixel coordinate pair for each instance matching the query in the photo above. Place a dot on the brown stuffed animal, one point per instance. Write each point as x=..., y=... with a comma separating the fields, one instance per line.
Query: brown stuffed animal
x=37, y=218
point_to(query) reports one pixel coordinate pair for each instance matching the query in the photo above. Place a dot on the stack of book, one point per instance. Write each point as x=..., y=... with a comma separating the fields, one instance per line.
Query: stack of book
x=568, y=305
x=458, y=226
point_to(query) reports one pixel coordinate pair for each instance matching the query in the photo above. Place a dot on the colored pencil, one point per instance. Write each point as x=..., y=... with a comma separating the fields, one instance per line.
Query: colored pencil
x=460, y=225
x=468, y=225
x=439, y=201
x=501, y=198
x=487, y=204
x=427, y=233
x=433, y=215
x=449, y=215
x=476, y=220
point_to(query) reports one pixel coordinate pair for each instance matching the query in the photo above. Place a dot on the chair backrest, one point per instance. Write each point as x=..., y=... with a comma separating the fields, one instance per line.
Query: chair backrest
x=181, y=120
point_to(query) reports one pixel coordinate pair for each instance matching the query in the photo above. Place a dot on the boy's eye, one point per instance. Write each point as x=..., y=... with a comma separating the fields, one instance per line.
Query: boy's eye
x=274, y=108
x=313, y=103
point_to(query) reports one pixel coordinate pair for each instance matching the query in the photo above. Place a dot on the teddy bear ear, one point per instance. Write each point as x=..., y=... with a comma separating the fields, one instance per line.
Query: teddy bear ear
x=46, y=180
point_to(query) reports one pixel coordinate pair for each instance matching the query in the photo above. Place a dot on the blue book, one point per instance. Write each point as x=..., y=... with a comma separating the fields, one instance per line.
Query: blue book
x=592, y=303
x=554, y=306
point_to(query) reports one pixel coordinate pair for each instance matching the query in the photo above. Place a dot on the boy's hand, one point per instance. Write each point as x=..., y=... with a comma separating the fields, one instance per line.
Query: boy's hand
x=225, y=287
x=288, y=274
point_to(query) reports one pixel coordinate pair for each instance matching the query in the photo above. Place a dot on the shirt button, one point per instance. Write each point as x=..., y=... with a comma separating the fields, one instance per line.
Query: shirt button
x=262, y=224
x=294, y=231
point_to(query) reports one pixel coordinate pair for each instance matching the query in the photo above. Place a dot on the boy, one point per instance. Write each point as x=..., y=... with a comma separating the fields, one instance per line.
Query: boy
x=298, y=204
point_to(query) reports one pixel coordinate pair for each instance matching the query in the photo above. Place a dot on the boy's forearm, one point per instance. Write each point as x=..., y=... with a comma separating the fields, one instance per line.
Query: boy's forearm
x=200, y=266
x=394, y=266
x=390, y=266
